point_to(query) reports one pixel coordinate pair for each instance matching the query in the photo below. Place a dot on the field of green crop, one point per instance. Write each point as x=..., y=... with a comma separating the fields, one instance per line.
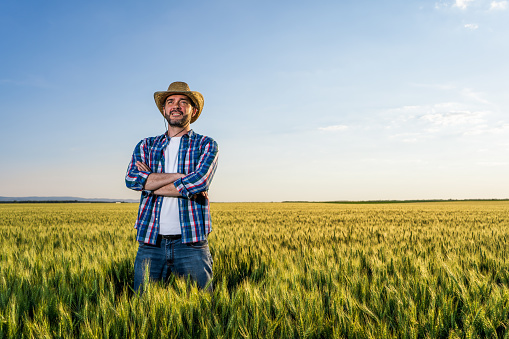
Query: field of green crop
x=281, y=270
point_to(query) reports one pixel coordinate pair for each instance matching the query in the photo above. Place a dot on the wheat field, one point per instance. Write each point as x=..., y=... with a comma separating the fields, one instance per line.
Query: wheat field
x=281, y=270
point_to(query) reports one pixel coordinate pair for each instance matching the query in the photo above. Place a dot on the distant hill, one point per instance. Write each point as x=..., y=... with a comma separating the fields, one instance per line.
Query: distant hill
x=60, y=199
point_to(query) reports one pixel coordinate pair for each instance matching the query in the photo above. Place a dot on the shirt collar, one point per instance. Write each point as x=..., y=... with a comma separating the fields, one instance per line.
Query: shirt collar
x=189, y=134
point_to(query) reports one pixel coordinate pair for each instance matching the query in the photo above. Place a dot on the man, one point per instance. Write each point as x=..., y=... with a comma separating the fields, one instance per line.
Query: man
x=174, y=172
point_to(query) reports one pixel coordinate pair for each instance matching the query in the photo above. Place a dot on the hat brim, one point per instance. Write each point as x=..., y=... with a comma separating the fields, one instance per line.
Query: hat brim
x=196, y=98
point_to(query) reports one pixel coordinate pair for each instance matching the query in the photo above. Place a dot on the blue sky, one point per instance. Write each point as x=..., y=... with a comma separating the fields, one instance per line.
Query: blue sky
x=325, y=100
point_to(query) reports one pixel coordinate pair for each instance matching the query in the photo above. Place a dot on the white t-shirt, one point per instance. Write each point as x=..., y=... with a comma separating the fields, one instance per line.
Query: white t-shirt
x=170, y=219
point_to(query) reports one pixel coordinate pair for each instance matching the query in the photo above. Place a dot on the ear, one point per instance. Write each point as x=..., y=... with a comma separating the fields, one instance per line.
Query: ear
x=195, y=111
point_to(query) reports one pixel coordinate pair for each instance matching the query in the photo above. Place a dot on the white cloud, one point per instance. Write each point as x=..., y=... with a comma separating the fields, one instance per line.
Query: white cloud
x=492, y=163
x=463, y=4
x=442, y=87
x=443, y=116
x=440, y=5
x=476, y=96
x=333, y=128
x=418, y=123
x=413, y=124
x=445, y=113
x=472, y=26
x=499, y=5
x=407, y=137
x=453, y=118
x=468, y=116
x=494, y=5
x=500, y=128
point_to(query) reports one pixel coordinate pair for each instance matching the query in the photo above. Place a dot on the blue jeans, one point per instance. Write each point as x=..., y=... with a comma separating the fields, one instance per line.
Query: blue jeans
x=172, y=256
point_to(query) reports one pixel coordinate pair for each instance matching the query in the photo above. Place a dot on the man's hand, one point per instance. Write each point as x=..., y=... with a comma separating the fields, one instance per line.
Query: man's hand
x=201, y=198
x=156, y=181
x=170, y=191
x=142, y=167
x=201, y=195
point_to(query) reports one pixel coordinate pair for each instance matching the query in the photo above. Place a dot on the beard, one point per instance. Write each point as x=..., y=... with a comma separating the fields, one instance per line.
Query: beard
x=177, y=123
x=182, y=121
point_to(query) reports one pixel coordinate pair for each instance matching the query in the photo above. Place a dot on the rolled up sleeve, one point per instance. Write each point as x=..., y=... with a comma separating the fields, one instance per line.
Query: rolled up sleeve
x=200, y=180
x=135, y=179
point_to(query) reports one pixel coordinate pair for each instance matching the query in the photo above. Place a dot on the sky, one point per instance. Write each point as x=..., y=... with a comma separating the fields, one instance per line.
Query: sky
x=316, y=101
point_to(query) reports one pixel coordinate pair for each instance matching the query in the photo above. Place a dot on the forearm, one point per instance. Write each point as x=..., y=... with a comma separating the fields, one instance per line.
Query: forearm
x=168, y=190
x=196, y=182
x=171, y=191
x=157, y=181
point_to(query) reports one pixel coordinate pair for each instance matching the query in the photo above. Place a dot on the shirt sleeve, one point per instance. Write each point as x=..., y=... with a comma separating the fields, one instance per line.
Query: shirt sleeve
x=199, y=180
x=135, y=179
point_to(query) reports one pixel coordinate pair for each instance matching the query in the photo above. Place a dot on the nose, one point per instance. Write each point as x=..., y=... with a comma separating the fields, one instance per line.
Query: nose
x=173, y=106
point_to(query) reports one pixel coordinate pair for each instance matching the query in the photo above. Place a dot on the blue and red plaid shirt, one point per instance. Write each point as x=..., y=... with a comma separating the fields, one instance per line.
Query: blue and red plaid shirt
x=197, y=159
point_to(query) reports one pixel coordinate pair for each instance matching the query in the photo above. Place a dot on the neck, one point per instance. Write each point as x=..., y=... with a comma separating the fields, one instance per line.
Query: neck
x=175, y=131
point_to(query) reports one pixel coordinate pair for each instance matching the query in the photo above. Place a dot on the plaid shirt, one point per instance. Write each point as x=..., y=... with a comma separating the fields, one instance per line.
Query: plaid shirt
x=197, y=158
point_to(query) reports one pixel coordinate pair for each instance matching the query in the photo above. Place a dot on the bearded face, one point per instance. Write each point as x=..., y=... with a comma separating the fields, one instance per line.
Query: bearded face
x=178, y=110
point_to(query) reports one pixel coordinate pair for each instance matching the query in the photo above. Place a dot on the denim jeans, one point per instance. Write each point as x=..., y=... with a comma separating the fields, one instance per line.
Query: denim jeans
x=172, y=256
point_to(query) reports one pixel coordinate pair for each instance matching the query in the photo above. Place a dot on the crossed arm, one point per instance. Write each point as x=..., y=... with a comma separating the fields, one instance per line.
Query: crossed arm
x=162, y=183
x=193, y=185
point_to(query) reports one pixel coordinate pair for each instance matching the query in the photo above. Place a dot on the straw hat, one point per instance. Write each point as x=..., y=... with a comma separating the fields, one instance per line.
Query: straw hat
x=179, y=87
